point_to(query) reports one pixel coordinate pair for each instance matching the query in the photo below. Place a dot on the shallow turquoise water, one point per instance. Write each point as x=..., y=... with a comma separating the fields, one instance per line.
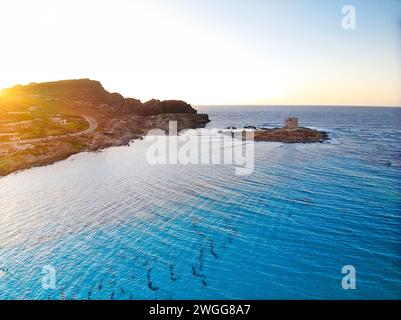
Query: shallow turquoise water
x=114, y=227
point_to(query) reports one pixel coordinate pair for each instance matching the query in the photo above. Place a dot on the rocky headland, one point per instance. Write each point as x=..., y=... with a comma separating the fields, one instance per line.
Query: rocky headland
x=46, y=122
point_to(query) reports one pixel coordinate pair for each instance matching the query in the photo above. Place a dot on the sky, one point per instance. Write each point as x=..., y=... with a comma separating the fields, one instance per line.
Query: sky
x=209, y=51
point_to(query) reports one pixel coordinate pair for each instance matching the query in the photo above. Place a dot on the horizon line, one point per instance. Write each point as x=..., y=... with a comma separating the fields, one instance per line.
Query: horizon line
x=297, y=105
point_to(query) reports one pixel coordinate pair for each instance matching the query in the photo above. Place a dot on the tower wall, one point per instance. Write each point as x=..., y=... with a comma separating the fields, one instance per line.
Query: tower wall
x=291, y=123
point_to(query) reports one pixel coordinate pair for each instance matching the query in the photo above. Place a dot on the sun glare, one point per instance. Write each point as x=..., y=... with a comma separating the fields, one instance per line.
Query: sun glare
x=149, y=49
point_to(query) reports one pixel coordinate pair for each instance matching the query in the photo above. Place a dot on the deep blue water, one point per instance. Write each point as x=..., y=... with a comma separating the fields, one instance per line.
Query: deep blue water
x=111, y=224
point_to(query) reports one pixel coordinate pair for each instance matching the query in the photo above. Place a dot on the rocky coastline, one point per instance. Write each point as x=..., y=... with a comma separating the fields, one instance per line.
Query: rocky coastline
x=42, y=123
x=116, y=121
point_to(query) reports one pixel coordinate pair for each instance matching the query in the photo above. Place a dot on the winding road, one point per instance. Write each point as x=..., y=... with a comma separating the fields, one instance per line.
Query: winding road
x=92, y=127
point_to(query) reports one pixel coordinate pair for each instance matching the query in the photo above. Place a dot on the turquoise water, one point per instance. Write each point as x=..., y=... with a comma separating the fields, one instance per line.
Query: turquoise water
x=115, y=227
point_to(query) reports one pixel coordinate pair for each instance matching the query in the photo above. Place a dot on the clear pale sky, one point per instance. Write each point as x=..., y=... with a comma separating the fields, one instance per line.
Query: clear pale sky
x=209, y=51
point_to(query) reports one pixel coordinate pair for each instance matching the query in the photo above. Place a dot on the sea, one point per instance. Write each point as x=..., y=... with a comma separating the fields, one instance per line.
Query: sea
x=307, y=222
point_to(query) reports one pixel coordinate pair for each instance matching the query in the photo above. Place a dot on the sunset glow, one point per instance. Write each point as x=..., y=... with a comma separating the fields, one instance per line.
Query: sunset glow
x=208, y=52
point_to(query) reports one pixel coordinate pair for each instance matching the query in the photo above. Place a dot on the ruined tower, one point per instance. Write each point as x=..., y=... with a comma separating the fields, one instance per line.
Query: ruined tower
x=291, y=123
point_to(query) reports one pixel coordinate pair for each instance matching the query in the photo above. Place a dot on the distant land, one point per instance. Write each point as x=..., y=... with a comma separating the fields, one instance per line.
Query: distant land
x=42, y=123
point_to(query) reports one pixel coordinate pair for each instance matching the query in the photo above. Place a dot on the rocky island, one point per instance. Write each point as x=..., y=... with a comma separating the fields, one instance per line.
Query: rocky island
x=41, y=123
x=290, y=133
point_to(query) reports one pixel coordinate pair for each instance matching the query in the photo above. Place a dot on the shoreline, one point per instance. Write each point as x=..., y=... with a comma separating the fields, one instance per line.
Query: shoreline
x=53, y=160
x=98, y=141
x=129, y=139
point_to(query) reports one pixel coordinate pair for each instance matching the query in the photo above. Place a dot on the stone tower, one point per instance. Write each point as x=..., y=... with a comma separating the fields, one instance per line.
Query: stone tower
x=291, y=123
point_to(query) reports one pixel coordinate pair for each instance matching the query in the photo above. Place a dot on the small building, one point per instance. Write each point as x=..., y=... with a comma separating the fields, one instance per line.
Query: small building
x=291, y=123
x=59, y=121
